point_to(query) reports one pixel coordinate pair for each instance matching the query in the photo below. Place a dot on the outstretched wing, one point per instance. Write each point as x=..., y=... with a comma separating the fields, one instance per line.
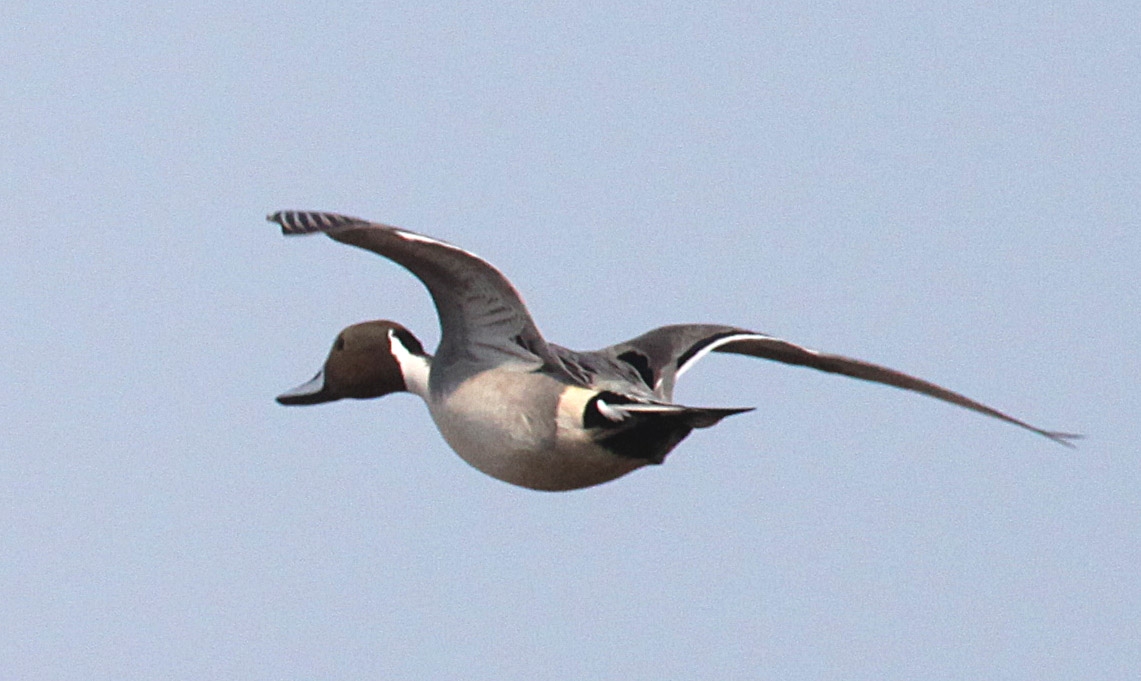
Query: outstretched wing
x=661, y=356
x=482, y=316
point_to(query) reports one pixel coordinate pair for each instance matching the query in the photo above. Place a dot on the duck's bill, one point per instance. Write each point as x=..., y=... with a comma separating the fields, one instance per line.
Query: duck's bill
x=313, y=391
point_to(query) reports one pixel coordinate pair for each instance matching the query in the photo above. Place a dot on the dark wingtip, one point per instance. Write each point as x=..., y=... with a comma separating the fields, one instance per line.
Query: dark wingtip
x=308, y=222
x=1065, y=439
x=292, y=221
x=287, y=220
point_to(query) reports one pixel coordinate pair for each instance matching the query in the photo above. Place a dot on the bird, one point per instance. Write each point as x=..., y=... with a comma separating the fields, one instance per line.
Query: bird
x=529, y=412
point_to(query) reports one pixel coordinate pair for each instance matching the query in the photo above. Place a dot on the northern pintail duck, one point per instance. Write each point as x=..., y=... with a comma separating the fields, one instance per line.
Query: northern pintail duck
x=529, y=412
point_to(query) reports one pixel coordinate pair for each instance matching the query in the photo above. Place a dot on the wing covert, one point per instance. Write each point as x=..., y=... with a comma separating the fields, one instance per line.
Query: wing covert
x=479, y=310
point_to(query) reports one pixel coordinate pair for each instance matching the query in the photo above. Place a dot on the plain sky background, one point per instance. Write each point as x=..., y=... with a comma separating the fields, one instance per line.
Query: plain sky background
x=947, y=188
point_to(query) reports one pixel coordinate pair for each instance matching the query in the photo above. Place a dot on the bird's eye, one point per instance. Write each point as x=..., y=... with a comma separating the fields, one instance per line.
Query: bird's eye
x=339, y=344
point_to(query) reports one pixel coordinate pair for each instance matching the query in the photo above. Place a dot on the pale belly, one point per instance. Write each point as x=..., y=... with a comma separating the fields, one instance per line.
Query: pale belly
x=495, y=423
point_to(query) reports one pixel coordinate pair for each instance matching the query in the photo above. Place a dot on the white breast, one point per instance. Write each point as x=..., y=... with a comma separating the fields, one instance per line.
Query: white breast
x=526, y=429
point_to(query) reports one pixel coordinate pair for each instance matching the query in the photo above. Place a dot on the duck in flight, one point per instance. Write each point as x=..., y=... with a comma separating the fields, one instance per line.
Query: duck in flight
x=533, y=413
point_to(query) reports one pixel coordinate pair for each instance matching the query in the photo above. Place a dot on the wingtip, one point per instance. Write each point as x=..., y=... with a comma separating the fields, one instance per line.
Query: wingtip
x=1064, y=439
x=294, y=222
x=281, y=218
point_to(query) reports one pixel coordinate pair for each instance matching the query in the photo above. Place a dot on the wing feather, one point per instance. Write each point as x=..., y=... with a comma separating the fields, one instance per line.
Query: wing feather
x=479, y=310
x=672, y=350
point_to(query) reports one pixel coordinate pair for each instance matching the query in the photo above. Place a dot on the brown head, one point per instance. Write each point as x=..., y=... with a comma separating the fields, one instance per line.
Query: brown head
x=367, y=360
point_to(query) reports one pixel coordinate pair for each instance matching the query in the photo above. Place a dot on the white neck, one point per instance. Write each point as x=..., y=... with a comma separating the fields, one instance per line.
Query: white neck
x=415, y=368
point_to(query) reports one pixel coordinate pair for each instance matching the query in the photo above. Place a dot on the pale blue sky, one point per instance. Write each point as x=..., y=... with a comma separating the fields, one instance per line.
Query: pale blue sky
x=950, y=189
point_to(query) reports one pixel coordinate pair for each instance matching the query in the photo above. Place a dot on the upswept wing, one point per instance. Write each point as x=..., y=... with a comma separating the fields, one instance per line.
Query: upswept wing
x=482, y=316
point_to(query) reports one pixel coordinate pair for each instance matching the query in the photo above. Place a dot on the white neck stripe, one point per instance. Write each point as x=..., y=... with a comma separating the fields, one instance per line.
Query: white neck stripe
x=415, y=368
